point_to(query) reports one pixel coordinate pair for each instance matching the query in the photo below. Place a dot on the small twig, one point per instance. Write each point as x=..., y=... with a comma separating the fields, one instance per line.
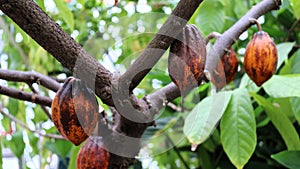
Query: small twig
x=42, y=106
x=253, y=20
x=211, y=36
x=13, y=118
x=174, y=107
x=21, y=95
x=177, y=152
x=29, y=77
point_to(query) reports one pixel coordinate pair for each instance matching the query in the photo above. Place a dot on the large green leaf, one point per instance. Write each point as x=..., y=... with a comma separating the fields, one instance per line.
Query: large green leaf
x=238, y=129
x=210, y=20
x=296, y=7
x=283, y=51
x=283, y=86
x=65, y=13
x=290, y=159
x=295, y=104
x=281, y=122
x=202, y=120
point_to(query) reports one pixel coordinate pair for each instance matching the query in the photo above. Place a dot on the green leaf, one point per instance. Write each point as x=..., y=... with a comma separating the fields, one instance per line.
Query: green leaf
x=291, y=66
x=247, y=83
x=281, y=122
x=13, y=106
x=295, y=104
x=210, y=20
x=73, y=157
x=39, y=115
x=60, y=147
x=283, y=51
x=238, y=129
x=16, y=144
x=81, y=2
x=41, y=4
x=65, y=13
x=283, y=86
x=290, y=159
x=33, y=141
x=202, y=120
x=296, y=7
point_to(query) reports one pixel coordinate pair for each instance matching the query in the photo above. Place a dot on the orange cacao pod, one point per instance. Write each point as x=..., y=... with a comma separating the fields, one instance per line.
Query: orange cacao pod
x=226, y=69
x=75, y=111
x=92, y=155
x=260, y=58
x=187, y=59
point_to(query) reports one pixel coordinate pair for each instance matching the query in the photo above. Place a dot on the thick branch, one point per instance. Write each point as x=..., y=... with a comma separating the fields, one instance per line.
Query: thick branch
x=29, y=77
x=37, y=24
x=21, y=95
x=160, y=43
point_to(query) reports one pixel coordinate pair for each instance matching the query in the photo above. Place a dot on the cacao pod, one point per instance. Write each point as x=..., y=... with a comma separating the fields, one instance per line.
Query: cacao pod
x=260, y=58
x=187, y=59
x=226, y=69
x=75, y=111
x=93, y=155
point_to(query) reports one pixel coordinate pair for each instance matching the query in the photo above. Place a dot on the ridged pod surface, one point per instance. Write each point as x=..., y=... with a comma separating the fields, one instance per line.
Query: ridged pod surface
x=92, y=155
x=226, y=69
x=187, y=59
x=261, y=57
x=75, y=111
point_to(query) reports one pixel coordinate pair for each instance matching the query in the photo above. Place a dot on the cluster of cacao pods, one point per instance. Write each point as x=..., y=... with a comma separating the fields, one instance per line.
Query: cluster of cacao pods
x=75, y=111
x=187, y=59
x=93, y=155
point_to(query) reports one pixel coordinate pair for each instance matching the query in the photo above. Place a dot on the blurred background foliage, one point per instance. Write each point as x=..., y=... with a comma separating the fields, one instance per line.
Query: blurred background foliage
x=115, y=35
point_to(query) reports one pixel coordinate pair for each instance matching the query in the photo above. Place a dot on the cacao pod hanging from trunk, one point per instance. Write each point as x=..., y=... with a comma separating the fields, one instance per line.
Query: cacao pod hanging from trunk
x=226, y=69
x=261, y=57
x=187, y=59
x=75, y=111
x=93, y=155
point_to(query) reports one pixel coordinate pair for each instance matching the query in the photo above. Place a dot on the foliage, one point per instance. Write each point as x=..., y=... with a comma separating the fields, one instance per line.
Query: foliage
x=258, y=126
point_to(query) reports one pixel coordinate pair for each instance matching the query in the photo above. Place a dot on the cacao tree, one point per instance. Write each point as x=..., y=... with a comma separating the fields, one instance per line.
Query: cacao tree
x=90, y=82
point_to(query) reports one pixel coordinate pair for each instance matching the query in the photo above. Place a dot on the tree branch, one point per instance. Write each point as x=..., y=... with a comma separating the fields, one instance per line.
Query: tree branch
x=170, y=92
x=11, y=117
x=21, y=95
x=37, y=24
x=29, y=77
x=160, y=43
x=231, y=35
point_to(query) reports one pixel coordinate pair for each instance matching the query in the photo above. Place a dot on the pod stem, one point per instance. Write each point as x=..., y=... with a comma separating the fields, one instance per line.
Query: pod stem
x=212, y=35
x=253, y=20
